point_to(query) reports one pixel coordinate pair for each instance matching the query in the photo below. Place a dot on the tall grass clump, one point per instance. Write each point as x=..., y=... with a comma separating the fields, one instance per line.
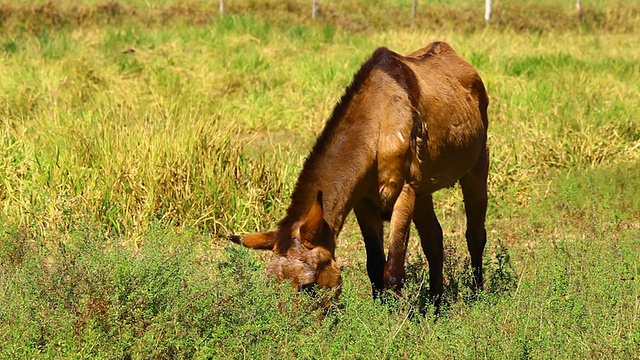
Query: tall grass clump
x=139, y=136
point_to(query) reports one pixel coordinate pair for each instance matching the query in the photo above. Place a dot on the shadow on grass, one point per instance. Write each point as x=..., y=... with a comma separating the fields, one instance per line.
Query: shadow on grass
x=499, y=276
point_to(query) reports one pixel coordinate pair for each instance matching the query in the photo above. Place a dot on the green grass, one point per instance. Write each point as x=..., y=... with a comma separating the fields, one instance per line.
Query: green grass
x=121, y=173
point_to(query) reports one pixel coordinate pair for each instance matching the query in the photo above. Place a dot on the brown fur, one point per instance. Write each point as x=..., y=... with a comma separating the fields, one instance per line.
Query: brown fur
x=405, y=127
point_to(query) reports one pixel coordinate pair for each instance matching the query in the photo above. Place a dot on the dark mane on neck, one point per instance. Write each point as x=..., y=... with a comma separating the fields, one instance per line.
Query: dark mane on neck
x=307, y=186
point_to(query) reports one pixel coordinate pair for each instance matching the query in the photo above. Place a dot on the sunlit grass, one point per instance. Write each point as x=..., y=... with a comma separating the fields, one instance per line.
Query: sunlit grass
x=128, y=138
x=121, y=172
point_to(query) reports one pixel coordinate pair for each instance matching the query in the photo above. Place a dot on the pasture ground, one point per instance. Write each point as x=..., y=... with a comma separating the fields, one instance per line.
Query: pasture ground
x=122, y=172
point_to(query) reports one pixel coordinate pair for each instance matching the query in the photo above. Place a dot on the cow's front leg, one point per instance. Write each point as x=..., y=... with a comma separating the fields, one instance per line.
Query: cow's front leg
x=401, y=216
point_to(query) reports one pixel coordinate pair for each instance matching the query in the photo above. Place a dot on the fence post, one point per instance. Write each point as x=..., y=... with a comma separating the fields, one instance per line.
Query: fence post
x=413, y=9
x=487, y=10
x=314, y=9
x=579, y=8
x=221, y=7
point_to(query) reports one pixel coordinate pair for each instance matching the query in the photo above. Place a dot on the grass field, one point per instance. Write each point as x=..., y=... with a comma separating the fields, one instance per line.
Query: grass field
x=122, y=172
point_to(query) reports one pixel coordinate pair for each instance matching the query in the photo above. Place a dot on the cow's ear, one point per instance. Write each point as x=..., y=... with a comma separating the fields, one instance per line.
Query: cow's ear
x=314, y=222
x=258, y=241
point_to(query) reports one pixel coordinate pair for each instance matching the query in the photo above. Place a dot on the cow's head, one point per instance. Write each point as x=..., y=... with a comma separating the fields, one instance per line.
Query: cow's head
x=302, y=252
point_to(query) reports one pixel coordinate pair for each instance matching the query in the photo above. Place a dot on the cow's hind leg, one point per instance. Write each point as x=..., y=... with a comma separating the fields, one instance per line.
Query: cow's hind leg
x=431, y=240
x=474, y=191
x=371, y=226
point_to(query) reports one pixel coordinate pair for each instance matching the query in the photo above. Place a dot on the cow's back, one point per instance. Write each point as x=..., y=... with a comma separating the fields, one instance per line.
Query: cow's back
x=453, y=128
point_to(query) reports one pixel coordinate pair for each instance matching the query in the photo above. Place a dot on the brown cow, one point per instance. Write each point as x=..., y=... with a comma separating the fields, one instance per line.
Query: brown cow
x=406, y=127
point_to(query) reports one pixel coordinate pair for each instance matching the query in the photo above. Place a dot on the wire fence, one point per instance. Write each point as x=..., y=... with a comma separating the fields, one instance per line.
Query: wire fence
x=487, y=9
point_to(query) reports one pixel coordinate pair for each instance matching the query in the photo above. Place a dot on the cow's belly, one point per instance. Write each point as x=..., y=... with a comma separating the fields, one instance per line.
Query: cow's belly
x=446, y=166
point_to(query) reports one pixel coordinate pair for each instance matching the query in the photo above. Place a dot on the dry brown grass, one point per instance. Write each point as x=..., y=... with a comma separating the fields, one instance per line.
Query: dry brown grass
x=352, y=16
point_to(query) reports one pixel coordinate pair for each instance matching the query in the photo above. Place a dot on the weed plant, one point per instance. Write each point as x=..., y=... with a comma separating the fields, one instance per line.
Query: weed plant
x=135, y=136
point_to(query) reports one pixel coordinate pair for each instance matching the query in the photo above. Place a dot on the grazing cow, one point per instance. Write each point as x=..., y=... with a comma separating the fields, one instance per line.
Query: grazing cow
x=406, y=127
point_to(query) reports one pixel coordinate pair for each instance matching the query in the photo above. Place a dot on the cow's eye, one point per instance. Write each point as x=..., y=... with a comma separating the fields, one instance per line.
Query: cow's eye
x=296, y=242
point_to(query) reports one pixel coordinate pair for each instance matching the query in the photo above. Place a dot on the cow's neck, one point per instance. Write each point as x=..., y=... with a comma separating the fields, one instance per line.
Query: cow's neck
x=335, y=168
